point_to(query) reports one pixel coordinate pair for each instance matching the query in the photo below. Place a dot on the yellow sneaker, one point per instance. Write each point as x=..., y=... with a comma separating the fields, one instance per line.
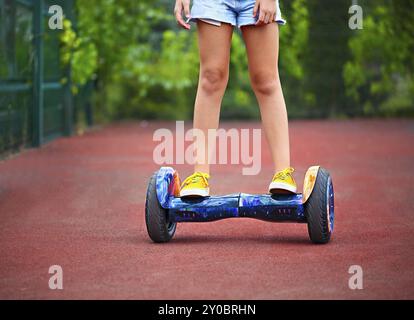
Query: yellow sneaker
x=196, y=185
x=283, y=182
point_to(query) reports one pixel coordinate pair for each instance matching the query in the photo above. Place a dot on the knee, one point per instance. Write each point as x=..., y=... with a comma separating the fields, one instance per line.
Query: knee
x=213, y=80
x=265, y=83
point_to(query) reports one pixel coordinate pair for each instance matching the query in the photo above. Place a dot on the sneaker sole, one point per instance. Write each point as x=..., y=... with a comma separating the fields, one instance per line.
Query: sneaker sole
x=277, y=187
x=195, y=193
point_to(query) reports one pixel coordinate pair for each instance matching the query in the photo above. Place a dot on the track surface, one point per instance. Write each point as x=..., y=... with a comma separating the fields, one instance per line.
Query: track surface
x=79, y=203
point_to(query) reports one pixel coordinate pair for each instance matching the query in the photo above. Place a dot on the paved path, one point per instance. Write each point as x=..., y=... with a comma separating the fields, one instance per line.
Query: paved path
x=79, y=203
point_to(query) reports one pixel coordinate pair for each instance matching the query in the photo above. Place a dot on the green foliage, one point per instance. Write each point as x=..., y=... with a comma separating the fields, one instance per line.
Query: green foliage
x=177, y=65
x=379, y=75
x=293, y=39
x=81, y=55
x=159, y=81
x=108, y=36
x=325, y=54
x=142, y=66
x=145, y=68
x=239, y=101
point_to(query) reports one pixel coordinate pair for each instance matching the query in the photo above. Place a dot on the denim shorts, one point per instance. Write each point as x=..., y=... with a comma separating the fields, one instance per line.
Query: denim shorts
x=235, y=12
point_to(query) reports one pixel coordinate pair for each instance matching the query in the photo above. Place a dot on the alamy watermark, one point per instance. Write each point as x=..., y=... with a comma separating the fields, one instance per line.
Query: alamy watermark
x=214, y=142
x=356, y=281
x=356, y=21
x=56, y=20
x=56, y=280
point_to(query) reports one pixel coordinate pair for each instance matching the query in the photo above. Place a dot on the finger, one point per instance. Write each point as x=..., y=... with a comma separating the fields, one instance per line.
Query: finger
x=180, y=21
x=260, y=21
x=267, y=18
x=256, y=9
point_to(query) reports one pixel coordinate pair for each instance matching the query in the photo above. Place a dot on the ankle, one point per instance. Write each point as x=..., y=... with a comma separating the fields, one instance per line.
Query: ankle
x=280, y=169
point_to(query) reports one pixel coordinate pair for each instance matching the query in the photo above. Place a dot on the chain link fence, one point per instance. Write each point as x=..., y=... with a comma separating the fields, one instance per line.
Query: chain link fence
x=36, y=102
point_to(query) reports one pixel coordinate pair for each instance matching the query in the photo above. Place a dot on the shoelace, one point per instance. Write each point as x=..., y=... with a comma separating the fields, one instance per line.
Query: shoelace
x=194, y=178
x=283, y=174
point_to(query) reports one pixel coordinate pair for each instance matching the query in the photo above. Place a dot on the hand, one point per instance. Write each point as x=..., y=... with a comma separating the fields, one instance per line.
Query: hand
x=180, y=6
x=267, y=9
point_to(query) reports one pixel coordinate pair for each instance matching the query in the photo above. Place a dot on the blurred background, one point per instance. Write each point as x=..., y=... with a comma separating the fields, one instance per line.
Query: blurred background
x=117, y=71
x=124, y=59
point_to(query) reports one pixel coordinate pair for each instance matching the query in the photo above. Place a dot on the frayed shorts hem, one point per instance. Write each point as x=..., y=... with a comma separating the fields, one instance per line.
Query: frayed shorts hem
x=217, y=21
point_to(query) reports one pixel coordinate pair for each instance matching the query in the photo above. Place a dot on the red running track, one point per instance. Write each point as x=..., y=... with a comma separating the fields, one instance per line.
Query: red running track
x=79, y=203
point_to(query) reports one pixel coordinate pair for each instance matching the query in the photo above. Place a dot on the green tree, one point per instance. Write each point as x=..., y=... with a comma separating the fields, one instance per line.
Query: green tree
x=294, y=37
x=107, y=34
x=379, y=76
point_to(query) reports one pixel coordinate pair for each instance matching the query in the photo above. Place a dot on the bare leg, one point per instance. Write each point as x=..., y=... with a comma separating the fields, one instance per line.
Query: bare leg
x=262, y=43
x=214, y=45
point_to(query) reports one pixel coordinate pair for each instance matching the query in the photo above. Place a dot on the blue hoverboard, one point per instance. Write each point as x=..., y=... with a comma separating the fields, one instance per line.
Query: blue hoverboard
x=315, y=206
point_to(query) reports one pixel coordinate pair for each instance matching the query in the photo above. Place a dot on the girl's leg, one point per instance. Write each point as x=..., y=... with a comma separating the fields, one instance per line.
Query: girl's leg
x=262, y=43
x=214, y=45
